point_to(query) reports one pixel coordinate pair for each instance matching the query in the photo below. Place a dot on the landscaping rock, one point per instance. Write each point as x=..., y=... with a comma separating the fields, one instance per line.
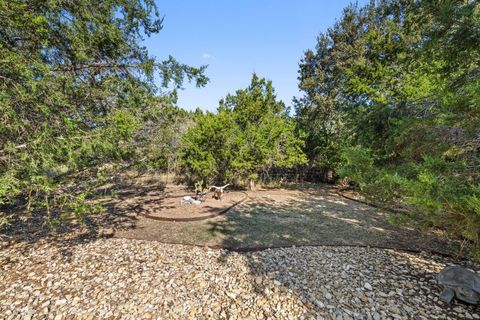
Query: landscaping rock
x=461, y=283
x=135, y=279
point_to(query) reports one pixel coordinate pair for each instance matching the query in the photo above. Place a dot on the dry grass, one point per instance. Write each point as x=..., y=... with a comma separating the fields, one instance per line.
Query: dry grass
x=307, y=215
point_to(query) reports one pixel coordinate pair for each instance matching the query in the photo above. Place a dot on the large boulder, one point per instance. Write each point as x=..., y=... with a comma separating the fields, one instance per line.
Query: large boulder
x=460, y=283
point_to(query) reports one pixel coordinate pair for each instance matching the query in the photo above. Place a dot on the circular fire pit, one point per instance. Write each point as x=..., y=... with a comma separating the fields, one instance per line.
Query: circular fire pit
x=171, y=209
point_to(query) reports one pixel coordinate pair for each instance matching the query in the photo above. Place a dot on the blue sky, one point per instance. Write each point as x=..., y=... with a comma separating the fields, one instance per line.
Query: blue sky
x=237, y=38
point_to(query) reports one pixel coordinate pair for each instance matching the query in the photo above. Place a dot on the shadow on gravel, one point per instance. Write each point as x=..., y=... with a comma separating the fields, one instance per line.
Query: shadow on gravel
x=333, y=278
x=331, y=281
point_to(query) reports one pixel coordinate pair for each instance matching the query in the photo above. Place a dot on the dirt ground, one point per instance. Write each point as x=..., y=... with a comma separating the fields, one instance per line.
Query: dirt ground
x=312, y=215
x=171, y=207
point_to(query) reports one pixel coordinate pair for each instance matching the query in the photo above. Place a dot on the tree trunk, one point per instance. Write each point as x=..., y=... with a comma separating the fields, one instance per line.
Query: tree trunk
x=252, y=185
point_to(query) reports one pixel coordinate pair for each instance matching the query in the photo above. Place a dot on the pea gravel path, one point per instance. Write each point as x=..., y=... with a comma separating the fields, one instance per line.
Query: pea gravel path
x=136, y=279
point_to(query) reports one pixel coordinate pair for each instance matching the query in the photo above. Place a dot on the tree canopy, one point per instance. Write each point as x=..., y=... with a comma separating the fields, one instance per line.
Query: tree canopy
x=74, y=84
x=250, y=133
x=391, y=101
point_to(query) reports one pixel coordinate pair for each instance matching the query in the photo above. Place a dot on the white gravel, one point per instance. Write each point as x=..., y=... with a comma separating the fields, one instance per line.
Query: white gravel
x=134, y=279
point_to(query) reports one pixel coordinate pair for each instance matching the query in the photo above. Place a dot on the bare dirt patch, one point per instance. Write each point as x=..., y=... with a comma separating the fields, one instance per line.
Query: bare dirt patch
x=316, y=215
x=171, y=208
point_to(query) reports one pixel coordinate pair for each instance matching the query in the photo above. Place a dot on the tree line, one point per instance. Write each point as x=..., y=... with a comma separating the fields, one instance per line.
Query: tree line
x=390, y=104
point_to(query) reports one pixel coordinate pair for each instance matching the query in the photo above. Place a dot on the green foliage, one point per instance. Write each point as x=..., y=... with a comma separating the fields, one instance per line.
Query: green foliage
x=251, y=133
x=75, y=87
x=200, y=187
x=377, y=183
x=81, y=208
x=392, y=102
x=158, y=142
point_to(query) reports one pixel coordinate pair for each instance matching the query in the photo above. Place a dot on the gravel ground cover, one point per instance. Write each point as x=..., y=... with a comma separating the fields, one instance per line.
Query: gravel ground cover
x=137, y=279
